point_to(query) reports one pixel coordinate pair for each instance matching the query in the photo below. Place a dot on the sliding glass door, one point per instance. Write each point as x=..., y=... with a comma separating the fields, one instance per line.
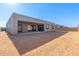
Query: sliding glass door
x=19, y=27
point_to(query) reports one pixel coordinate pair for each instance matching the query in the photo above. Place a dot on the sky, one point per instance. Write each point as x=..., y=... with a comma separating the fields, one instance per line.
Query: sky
x=66, y=14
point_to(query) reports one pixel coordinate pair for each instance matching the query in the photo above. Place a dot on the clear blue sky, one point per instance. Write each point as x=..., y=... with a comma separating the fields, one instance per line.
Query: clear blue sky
x=64, y=14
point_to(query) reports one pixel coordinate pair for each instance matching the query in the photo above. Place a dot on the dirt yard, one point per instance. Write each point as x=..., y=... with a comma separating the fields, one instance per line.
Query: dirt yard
x=46, y=43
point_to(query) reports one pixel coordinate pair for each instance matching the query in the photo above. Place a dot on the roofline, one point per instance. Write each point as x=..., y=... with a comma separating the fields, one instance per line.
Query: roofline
x=38, y=19
x=33, y=18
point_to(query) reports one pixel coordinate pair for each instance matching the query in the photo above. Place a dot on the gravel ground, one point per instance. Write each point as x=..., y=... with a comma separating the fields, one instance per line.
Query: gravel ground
x=6, y=46
x=66, y=45
x=46, y=43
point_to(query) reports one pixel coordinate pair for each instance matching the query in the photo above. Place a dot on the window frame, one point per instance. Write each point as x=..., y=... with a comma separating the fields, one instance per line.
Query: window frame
x=47, y=26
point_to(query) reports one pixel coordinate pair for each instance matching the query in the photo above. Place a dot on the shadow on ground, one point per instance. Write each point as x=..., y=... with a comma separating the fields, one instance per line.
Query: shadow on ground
x=25, y=43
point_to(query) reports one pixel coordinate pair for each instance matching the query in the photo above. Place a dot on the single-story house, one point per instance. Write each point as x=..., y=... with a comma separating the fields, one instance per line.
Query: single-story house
x=20, y=24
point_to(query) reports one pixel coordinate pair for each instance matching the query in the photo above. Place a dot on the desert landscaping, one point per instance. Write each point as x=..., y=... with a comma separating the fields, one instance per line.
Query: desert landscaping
x=40, y=43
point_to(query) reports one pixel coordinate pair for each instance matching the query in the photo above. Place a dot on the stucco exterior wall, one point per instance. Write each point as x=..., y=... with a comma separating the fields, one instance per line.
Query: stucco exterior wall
x=50, y=27
x=24, y=28
x=29, y=19
x=12, y=24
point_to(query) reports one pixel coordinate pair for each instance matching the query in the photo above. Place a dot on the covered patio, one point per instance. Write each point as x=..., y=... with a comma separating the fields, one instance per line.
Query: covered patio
x=29, y=26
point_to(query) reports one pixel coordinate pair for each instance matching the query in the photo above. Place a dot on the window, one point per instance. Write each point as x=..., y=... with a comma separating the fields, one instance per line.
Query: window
x=53, y=27
x=47, y=26
x=33, y=27
x=29, y=28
